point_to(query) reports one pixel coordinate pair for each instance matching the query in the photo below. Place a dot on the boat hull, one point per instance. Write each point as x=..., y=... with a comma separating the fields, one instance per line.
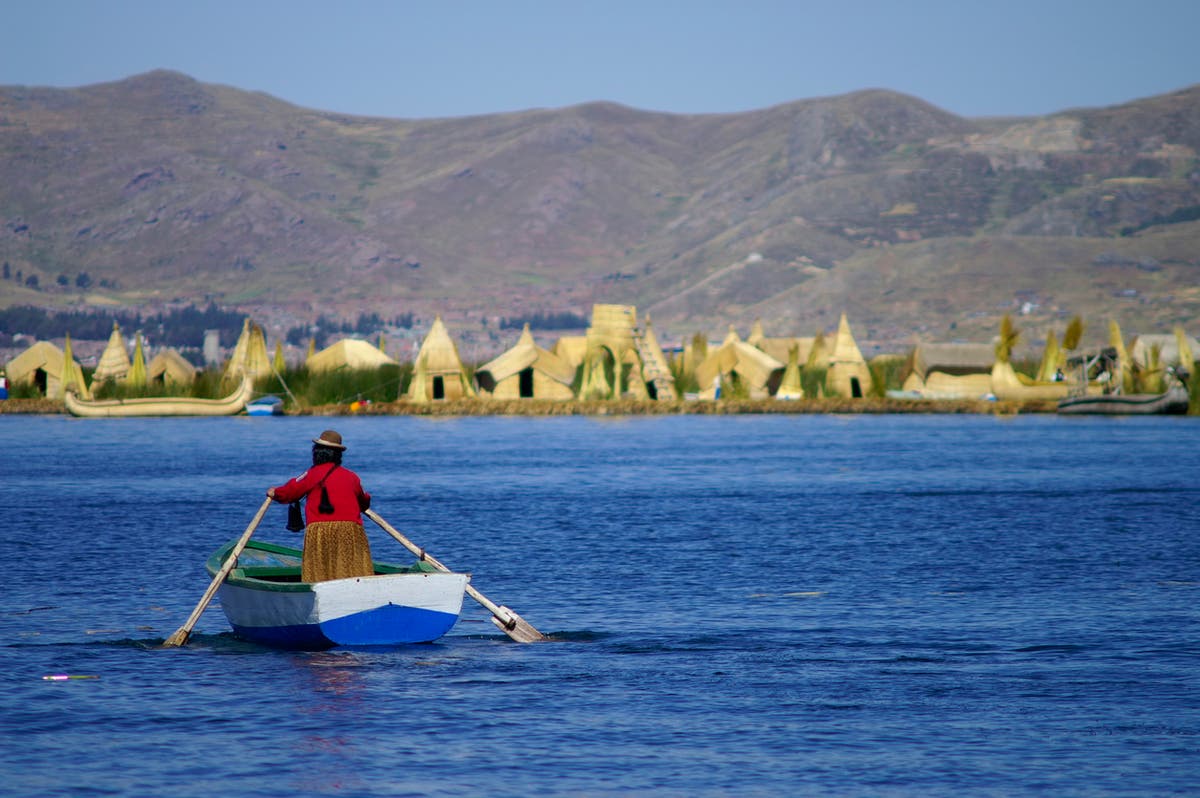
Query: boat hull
x=160, y=406
x=266, y=406
x=1172, y=402
x=275, y=609
x=362, y=611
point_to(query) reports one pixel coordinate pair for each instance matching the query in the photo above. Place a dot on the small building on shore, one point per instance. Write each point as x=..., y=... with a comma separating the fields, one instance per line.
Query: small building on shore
x=526, y=371
x=50, y=369
x=169, y=368
x=348, y=353
x=249, y=354
x=848, y=375
x=736, y=362
x=949, y=370
x=438, y=372
x=114, y=362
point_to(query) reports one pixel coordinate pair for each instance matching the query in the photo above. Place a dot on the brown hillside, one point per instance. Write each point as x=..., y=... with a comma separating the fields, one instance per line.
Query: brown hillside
x=913, y=220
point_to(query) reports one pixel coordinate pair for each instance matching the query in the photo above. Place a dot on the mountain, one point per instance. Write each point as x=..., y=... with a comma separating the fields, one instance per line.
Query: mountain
x=914, y=221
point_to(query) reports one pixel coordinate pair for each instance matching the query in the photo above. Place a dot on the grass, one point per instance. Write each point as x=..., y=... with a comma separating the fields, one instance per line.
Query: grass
x=377, y=392
x=886, y=375
x=301, y=389
x=812, y=378
x=633, y=407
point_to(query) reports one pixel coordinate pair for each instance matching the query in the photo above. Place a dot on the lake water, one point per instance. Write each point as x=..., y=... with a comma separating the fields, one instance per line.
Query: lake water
x=783, y=605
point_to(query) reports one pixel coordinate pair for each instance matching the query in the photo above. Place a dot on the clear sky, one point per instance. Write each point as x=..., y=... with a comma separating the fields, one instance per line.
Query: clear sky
x=459, y=57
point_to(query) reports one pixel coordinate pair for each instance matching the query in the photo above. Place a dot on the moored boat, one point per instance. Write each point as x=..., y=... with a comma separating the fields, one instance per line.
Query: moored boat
x=265, y=601
x=1173, y=401
x=269, y=405
x=160, y=405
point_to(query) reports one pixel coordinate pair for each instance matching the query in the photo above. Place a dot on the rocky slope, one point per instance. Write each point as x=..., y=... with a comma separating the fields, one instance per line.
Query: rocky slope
x=911, y=219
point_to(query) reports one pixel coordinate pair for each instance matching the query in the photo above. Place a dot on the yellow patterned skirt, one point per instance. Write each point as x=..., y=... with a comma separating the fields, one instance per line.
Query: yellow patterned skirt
x=335, y=550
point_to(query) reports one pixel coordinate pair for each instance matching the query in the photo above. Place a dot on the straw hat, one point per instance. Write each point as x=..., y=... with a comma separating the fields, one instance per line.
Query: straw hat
x=331, y=439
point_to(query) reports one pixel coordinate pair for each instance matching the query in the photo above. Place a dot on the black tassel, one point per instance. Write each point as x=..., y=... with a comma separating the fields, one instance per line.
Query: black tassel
x=295, y=517
x=326, y=506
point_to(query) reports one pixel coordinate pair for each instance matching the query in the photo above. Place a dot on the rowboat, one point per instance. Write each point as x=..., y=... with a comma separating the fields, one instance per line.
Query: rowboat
x=1173, y=401
x=160, y=405
x=269, y=405
x=265, y=601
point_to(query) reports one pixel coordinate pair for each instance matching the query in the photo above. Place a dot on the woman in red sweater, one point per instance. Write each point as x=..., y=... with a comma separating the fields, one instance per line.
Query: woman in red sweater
x=335, y=544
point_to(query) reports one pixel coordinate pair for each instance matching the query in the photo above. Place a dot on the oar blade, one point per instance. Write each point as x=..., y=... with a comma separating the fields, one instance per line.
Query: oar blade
x=518, y=628
x=178, y=639
x=505, y=619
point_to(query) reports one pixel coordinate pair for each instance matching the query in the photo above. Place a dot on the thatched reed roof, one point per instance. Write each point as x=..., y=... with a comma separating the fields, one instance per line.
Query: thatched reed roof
x=548, y=375
x=249, y=354
x=848, y=374
x=114, y=362
x=170, y=368
x=1168, y=349
x=760, y=372
x=953, y=358
x=438, y=373
x=571, y=349
x=348, y=353
x=50, y=368
x=438, y=351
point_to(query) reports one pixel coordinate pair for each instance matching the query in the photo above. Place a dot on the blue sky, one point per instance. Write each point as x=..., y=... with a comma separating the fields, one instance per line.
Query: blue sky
x=432, y=59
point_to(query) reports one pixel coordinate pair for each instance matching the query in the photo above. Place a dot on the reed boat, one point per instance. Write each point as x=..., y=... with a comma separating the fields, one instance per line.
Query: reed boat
x=265, y=601
x=160, y=405
x=1172, y=402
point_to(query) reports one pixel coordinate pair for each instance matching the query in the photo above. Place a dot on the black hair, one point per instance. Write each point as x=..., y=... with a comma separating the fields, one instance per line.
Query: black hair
x=325, y=454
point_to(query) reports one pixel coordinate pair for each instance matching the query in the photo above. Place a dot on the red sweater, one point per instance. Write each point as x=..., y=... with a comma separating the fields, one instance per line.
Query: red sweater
x=345, y=493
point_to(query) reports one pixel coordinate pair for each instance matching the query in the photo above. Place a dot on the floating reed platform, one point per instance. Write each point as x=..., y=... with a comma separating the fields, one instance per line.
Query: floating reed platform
x=623, y=407
x=634, y=407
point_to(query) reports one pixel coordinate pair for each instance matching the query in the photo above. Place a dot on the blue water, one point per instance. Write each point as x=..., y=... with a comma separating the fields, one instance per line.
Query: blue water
x=797, y=605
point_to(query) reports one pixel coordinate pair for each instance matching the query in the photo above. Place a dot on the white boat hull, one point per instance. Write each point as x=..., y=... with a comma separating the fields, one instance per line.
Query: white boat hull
x=385, y=609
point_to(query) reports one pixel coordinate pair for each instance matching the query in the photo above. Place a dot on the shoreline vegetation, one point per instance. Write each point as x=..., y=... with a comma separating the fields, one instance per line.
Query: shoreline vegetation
x=618, y=370
x=624, y=407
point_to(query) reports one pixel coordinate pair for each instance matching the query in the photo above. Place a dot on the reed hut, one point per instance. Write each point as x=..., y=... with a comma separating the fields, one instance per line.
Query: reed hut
x=848, y=375
x=438, y=373
x=950, y=370
x=348, y=353
x=50, y=369
x=621, y=359
x=169, y=367
x=114, y=362
x=791, y=387
x=611, y=354
x=571, y=349
x=249, y=354
x=779, y=348
x=527, y=371
x=656, y=371
x=1168, y=346
x=737, y=361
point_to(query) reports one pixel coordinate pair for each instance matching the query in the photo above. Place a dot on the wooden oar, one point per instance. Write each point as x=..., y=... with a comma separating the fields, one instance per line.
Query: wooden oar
x=508, y=621
x=184, y=632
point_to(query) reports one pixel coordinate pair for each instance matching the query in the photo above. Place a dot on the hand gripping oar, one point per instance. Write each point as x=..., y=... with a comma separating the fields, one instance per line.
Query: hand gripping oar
x=508, y=621
x=184, y=632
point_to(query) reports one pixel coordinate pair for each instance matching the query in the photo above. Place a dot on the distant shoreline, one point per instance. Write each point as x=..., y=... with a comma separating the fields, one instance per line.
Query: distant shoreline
x=629, y=407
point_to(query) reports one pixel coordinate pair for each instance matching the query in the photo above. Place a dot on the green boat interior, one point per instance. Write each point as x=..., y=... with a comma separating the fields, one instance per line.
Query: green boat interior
x=291, y=573
x=273, y=563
